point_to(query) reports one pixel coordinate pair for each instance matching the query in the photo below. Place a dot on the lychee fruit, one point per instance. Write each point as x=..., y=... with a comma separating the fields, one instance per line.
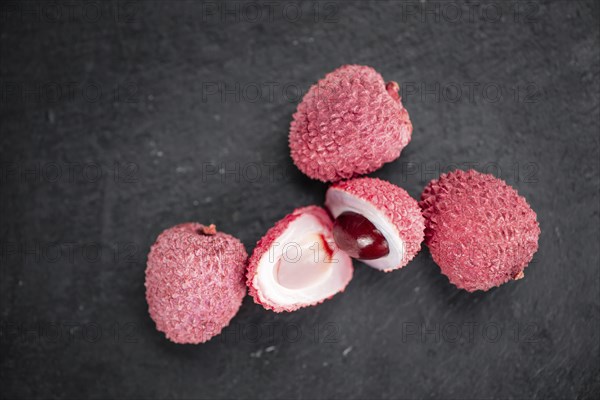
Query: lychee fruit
x=478, y=229
x=194, y=281
x=376, y=222
x=350, y=123
x=306, y=257
x=296, y=263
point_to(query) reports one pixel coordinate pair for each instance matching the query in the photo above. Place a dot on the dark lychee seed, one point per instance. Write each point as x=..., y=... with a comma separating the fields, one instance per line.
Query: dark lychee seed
x=358, y=237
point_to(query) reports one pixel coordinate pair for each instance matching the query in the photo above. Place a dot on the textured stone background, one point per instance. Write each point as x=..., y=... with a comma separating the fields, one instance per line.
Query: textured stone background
x=121, y=119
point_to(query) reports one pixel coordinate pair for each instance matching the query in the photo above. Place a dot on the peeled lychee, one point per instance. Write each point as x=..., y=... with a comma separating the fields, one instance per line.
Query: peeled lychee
x=296, y=263
x=376, y=222
x=350, y=123
x=194, y=281
x=478, y=229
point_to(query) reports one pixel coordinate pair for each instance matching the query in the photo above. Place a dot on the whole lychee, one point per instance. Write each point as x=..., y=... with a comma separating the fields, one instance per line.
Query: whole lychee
x=478, y=229
x=376, y=222
x=350, y=123
x=194, y=281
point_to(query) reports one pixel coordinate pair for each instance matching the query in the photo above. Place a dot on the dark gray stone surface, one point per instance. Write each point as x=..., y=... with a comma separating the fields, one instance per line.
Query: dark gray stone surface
x=116, y=119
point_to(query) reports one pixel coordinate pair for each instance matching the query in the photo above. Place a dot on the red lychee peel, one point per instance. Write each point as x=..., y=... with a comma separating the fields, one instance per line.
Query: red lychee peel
x=194, y=281
x=267, y=241
x=478, y=229
x=350, y=123
x=397, y=205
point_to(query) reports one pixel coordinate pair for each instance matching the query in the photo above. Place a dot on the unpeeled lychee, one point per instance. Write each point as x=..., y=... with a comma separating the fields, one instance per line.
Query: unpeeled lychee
x=391, y=214
x=296, y=263
x=478, y=229
x=194, y=281
x=350, y=123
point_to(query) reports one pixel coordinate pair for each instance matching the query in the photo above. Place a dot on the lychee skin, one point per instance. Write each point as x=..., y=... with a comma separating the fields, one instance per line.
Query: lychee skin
x=398, y=207
x=267, y=241
x=350, y=123
x=194, y=282
x=478, y=229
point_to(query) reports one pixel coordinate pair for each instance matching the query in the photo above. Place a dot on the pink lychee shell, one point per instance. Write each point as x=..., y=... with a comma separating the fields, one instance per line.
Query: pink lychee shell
x=398, y=207
x=194, y=281
x=478, y=229
x=349, y=123
x=267, y=241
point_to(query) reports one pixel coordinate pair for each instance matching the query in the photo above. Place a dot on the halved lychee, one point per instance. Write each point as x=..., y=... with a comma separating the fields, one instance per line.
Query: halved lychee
x=296, y=264
x=376, y=222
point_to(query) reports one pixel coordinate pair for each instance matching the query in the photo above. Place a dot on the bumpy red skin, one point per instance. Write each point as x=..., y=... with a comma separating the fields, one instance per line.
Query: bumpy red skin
x=478, y=229
x=194, y=282
x=265, y=243
x=397, y=205
x=348, y=124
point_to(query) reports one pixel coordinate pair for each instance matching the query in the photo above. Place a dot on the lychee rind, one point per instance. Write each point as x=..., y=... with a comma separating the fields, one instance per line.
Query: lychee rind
x=479, y=230
x=350, y=123
x=194, y=281
x=266, y=243
x=395, y=205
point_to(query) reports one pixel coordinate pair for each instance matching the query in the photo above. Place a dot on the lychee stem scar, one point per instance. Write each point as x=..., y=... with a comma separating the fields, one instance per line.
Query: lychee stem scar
x=392, y=88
